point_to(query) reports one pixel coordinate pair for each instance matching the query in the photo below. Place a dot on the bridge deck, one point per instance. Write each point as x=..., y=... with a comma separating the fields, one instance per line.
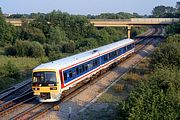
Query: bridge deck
x=115, y=22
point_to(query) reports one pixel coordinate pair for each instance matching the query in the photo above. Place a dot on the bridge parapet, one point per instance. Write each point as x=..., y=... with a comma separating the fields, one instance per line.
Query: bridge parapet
x=155, y=20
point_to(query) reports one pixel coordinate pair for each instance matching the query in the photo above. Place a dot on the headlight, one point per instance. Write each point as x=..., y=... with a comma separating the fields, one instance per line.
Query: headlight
x=53, y=88
x=35, y=88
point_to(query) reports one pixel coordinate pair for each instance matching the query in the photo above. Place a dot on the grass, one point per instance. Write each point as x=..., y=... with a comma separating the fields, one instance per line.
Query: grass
x=118, y=92
x=23, y=64
x=1, y=50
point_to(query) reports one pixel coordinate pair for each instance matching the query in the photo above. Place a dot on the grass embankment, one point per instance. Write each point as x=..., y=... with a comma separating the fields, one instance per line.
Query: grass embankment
x=125, y=84
x=106, y=107
x=16, y=69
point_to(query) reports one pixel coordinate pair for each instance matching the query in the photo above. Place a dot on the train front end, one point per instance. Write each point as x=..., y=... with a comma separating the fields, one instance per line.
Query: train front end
x=46, y=85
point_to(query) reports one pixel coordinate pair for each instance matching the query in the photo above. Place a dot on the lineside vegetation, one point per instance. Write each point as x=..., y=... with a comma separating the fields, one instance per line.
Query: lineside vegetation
x=157, y=96
x=49, y=37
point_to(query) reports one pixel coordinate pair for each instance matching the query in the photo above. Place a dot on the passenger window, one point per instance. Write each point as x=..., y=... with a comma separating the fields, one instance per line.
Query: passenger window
x=83, y=69
x=70, y=74
x=86, y=67
x=77, y=70
x=116, y=52
x=129, y=47
x=110, y=55
x=105, y=57
x=132, y=45
x=94, y=63
x=65, y=75
x=90, y=65
x=80, y=69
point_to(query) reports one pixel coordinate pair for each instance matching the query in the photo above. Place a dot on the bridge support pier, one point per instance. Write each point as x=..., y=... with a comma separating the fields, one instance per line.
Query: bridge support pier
x=129, y=31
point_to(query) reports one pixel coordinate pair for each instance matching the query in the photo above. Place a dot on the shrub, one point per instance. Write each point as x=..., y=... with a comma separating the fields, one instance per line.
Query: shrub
x=23, y=48
x=167, y=55
x=156, y=98
x=10, y=50
x=132, y=77
x=6, y=82
x=173, y=39
x=10, y=70
x=54, y=55
x=33, y=34
x=69, y=47
x=118, y=87
x=37, y=50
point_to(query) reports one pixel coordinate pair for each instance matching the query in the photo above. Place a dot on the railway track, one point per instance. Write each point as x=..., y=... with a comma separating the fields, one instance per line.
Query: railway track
x=15, y=91
x=37, y=109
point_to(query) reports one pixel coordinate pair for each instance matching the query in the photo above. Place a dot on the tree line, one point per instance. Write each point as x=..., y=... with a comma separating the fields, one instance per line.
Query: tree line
x=56, y=33
x=162, y=11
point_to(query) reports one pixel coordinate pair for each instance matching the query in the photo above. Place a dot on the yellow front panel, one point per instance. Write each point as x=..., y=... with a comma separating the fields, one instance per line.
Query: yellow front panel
x=44, y=89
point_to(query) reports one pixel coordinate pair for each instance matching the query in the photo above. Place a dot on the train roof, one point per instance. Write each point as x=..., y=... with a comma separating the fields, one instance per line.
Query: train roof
x=76, y=59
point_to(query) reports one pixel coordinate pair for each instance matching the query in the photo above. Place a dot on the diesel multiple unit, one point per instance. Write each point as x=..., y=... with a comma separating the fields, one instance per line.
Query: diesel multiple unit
x=51, y=80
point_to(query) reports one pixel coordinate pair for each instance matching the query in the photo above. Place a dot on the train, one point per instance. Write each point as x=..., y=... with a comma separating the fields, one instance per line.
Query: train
x=52, y=80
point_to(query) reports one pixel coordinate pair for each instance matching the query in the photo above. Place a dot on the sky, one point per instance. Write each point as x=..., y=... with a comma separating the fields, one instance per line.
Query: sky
x=83, y=7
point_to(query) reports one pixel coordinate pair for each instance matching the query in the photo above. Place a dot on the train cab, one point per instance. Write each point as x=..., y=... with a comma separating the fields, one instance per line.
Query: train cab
x=46, y=85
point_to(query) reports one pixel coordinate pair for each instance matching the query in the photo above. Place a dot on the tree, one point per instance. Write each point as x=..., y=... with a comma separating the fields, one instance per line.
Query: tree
x=178, y=5
x=34, y=34
x=86, y=44
x=167, y=55
x=155, y=98
x=69, y=47
x=0, y=11
x=37, y=50
x=102, y=37
x=57, y=36
x=174, y=29
x=7, y=32
x=23, y=48
x=173, y=39
x=163, y=11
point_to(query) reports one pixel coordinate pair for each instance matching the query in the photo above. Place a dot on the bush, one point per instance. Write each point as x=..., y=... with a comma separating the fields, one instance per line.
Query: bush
x=23, y=48
x=10, y=70
x=6, y=82
x=33, y=34
x=69, y=47
x=156, y=98
x=167, y=55
x=55, y=55
x=26, y=48
x=173, y=39
x=10, y=50
x=37, y=50
x=118, y=87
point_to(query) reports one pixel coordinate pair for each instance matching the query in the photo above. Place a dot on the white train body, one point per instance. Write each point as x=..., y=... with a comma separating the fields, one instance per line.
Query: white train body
x=51, y=79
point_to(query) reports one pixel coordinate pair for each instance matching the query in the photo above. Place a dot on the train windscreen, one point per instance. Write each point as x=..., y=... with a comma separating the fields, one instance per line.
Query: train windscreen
x=44, y=77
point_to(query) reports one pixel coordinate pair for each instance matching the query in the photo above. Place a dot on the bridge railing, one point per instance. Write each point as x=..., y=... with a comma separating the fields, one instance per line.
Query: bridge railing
x=118, y=20
x=160, y=20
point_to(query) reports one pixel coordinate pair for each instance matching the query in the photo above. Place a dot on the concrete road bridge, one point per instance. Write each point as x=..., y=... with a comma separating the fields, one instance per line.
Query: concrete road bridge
x=129, y=23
